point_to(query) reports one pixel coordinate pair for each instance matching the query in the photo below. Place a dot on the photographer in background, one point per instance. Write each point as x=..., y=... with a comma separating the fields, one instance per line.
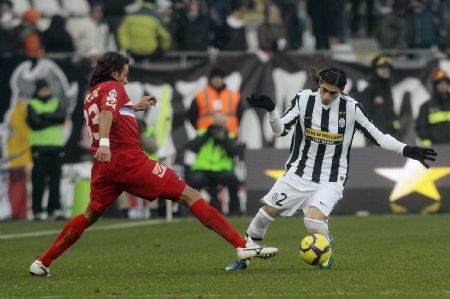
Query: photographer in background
x=213, y=165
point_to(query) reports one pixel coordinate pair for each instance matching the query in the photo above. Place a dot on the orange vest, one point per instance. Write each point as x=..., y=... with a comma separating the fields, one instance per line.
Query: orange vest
x=209, y=102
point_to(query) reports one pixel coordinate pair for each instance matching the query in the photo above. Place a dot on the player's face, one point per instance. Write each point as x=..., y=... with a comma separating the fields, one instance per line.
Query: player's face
x=123, y=75
x=328, y=93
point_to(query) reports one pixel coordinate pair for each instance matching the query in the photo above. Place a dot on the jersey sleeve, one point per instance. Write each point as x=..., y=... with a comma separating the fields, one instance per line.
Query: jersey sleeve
x=282, y=126
x=112, y=98
x=370, y=131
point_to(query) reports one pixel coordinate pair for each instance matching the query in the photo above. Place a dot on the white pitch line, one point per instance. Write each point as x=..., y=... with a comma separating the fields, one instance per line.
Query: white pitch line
x=104, y=227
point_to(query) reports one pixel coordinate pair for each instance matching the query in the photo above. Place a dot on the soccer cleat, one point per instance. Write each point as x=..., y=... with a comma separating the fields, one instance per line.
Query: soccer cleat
x=238, y=265
x=252, y=250
x=37, y=268
x=329, y=262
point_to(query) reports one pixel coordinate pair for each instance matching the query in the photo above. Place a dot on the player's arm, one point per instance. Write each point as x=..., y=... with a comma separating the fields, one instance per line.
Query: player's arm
x=388, y=142
x=280, y=126
x=145, y=103
x=103, y=153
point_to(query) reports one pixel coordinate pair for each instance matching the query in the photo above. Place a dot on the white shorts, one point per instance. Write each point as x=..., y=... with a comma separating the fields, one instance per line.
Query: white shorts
x=292, y=192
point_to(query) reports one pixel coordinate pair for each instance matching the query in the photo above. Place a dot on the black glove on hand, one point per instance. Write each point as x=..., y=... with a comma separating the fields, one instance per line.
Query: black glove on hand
x=420, y=154
x=261, y=102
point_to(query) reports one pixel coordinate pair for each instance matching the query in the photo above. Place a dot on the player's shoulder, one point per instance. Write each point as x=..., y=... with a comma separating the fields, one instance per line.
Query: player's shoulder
x=351, y=101
x=304, y=94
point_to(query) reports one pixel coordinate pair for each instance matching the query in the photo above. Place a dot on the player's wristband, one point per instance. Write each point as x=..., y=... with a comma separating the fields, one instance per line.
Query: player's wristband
x=104, y=142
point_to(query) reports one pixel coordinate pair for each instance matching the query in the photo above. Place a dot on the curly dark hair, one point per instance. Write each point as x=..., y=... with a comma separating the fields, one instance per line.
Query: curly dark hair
x=106, y=64
x=332, y=75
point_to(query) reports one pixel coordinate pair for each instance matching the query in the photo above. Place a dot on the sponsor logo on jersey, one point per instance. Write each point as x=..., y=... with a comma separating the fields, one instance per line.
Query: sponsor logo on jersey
x=111, y=99
x=159, y=170
x=324, y=137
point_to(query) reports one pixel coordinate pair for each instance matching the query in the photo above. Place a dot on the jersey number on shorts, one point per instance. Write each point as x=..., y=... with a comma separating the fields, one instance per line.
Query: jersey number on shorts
x=92, y=115
x=278, y=202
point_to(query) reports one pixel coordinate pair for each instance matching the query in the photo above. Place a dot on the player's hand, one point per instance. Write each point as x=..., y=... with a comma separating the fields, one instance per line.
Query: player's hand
x=145, y=103
x=420, y=154
x=261, y=102
x=103, y=154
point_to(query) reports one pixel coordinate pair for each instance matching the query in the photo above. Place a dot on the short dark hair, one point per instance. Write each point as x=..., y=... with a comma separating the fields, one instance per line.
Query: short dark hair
x=106, y=64
x=331, y=75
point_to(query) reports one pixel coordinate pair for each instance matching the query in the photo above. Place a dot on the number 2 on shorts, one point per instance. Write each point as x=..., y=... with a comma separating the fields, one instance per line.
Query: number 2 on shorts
x=278, y=202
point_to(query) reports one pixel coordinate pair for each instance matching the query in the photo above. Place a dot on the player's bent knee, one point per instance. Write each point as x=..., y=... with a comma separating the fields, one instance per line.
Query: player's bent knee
x=92, y=216
x=315, y=213
x=189, y=196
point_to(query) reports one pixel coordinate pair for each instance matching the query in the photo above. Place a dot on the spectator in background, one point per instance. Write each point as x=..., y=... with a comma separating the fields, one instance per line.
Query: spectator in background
x=292, y=22
x=190, y=26
x=45, y=119
x=143, y=34
x=272, y=36
x=113, y=11
x=216, y=98
x=27, y=36
x=355, y=22
x=433, y=122
x=392, y=29
x=377, y=97
x=424, y=28
x=215, y=148
x=232, y=36
x=218, y=12
x=56, y=38
x=90, y=33
x=327, y=21
x=6, y=25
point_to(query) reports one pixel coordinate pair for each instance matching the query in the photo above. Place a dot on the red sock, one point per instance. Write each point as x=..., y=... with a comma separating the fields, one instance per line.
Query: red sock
x=212, y=219
x=69, y=235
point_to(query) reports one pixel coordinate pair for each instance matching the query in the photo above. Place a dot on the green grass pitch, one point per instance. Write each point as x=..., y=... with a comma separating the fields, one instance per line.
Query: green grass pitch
x=376, y=256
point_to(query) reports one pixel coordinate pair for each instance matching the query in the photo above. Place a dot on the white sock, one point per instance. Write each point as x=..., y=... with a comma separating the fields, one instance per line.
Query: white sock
x=258, y=227
x=315, y=226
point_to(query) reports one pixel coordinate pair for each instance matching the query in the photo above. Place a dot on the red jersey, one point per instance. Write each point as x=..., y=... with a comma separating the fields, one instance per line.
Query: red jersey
x=111, y=96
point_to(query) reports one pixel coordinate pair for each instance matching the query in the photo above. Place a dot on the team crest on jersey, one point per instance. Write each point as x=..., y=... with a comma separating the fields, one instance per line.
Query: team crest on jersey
x=159, y=170
x=111, y=99
x=341, y=122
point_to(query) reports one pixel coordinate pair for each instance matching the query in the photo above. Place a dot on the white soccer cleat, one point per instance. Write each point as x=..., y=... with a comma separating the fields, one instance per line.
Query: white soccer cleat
x=253, y=249
x=37, y=268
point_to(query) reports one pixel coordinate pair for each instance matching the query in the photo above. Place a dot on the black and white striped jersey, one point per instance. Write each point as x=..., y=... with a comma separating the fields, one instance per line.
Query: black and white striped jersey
x=323, y=134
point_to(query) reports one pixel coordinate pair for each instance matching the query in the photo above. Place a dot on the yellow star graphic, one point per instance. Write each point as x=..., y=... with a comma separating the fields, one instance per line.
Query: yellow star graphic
x=275, y=173
x=413, y=177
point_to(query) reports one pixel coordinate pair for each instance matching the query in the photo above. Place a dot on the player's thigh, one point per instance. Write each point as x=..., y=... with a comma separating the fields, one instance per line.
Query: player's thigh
x=103, y=194
x=152, y=179
x=325, y=198
x=285, y=198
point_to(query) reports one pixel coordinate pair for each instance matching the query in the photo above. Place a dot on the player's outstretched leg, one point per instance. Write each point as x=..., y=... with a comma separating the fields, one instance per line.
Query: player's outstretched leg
x=68, y=236
x=215, y=221
x=256, y=231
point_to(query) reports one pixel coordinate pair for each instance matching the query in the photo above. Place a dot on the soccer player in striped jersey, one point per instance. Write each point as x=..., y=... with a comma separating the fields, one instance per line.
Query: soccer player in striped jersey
x=324, y=122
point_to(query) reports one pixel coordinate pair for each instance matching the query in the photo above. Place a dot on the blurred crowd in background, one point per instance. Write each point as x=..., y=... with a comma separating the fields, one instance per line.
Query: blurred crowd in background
x=148, y=28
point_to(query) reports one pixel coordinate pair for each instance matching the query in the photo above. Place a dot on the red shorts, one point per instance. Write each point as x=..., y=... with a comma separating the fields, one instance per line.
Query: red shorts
x=132, y=171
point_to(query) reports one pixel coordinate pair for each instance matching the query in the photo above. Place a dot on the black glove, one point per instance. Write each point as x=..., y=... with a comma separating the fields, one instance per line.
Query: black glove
x=420, y=154
x=261, y=102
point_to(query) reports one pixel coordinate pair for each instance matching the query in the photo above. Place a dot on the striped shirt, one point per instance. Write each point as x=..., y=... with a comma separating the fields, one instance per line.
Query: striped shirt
x=323, y=134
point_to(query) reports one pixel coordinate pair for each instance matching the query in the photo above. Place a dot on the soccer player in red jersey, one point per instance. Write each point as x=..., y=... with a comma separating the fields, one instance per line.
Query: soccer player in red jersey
x=121, y=165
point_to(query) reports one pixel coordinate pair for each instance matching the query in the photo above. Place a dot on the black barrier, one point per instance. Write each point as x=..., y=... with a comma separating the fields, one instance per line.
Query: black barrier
x=379, y=181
